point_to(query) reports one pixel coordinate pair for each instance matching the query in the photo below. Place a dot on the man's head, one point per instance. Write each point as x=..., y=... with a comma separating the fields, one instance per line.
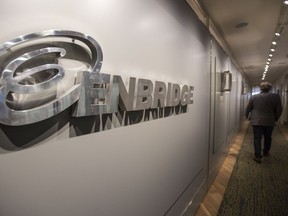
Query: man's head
x=265, y=86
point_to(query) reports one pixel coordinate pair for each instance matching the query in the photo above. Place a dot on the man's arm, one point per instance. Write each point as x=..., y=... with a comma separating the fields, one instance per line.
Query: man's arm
x=249, y=108
x=278, y=108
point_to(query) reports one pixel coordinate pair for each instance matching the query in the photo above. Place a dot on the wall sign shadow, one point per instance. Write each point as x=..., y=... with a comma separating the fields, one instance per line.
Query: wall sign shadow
x=15, y=138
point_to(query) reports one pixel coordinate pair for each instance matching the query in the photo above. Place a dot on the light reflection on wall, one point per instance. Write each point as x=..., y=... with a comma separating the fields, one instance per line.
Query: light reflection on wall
x=255, y=90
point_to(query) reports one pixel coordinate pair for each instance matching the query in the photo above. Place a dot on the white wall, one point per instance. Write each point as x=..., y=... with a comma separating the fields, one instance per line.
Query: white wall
x=281, y=86
x=71, y=166
x=150, y=168
x=225, y=110
x=219, y=108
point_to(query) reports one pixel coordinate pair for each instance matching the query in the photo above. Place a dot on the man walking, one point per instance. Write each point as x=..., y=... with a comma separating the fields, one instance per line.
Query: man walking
x=263, y=110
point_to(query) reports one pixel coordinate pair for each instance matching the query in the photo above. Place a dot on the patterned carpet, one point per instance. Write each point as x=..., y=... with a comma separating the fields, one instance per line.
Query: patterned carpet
x=258, y=189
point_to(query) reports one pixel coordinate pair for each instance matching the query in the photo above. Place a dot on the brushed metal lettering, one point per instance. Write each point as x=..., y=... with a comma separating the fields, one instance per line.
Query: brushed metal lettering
x=144, y=94
x=19, y=80
x=126, y=98
x=191, y=94
x=36, y=83
x=175, y=95
x=184, y=95
x=159, y=94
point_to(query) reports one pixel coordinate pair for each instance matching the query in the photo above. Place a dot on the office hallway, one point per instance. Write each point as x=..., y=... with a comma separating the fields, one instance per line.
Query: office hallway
x=251, y=189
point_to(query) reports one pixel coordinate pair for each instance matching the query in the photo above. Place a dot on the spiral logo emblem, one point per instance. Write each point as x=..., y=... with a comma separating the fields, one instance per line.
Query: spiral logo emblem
x=38, y=74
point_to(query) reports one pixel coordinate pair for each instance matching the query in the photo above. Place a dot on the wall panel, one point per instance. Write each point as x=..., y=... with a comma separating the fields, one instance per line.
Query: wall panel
x=151, y=168
x=219, y=109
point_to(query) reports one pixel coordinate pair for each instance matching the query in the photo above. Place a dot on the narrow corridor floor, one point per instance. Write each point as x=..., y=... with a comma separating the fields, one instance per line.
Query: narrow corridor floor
x=258, y=189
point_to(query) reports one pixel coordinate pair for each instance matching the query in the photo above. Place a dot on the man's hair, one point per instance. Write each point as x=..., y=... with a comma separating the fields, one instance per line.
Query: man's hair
x=265, y=86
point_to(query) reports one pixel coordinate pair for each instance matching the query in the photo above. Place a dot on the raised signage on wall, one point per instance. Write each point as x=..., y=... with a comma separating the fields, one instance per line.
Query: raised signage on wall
x=42, y=74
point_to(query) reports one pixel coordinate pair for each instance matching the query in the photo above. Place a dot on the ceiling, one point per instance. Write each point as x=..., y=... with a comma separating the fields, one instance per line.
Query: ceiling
x=248, y=27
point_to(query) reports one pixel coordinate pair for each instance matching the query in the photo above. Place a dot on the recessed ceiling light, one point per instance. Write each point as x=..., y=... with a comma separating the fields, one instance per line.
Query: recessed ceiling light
x=274, y=43
x=285, y=2
x=241, y=25
x=269, y=59
x=270, y=55
x=277, y=34
x=272, y=50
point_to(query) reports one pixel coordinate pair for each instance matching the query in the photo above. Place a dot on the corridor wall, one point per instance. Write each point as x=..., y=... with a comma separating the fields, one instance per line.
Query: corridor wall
x=281, y=86
x=234, y=104
x=141, y=162
x=219, y=109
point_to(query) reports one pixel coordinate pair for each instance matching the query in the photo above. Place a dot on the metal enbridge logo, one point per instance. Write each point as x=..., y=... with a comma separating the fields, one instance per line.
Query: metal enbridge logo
x=42, y=74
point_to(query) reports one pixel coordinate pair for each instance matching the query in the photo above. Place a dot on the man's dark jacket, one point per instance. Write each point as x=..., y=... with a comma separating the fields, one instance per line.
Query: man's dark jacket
x=264, y=109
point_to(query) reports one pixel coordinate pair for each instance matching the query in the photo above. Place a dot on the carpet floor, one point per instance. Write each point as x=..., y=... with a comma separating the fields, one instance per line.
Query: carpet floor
x=258, y=189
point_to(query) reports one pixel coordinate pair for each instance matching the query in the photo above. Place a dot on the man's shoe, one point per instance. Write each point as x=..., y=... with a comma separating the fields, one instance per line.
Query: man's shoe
x=258, y=159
